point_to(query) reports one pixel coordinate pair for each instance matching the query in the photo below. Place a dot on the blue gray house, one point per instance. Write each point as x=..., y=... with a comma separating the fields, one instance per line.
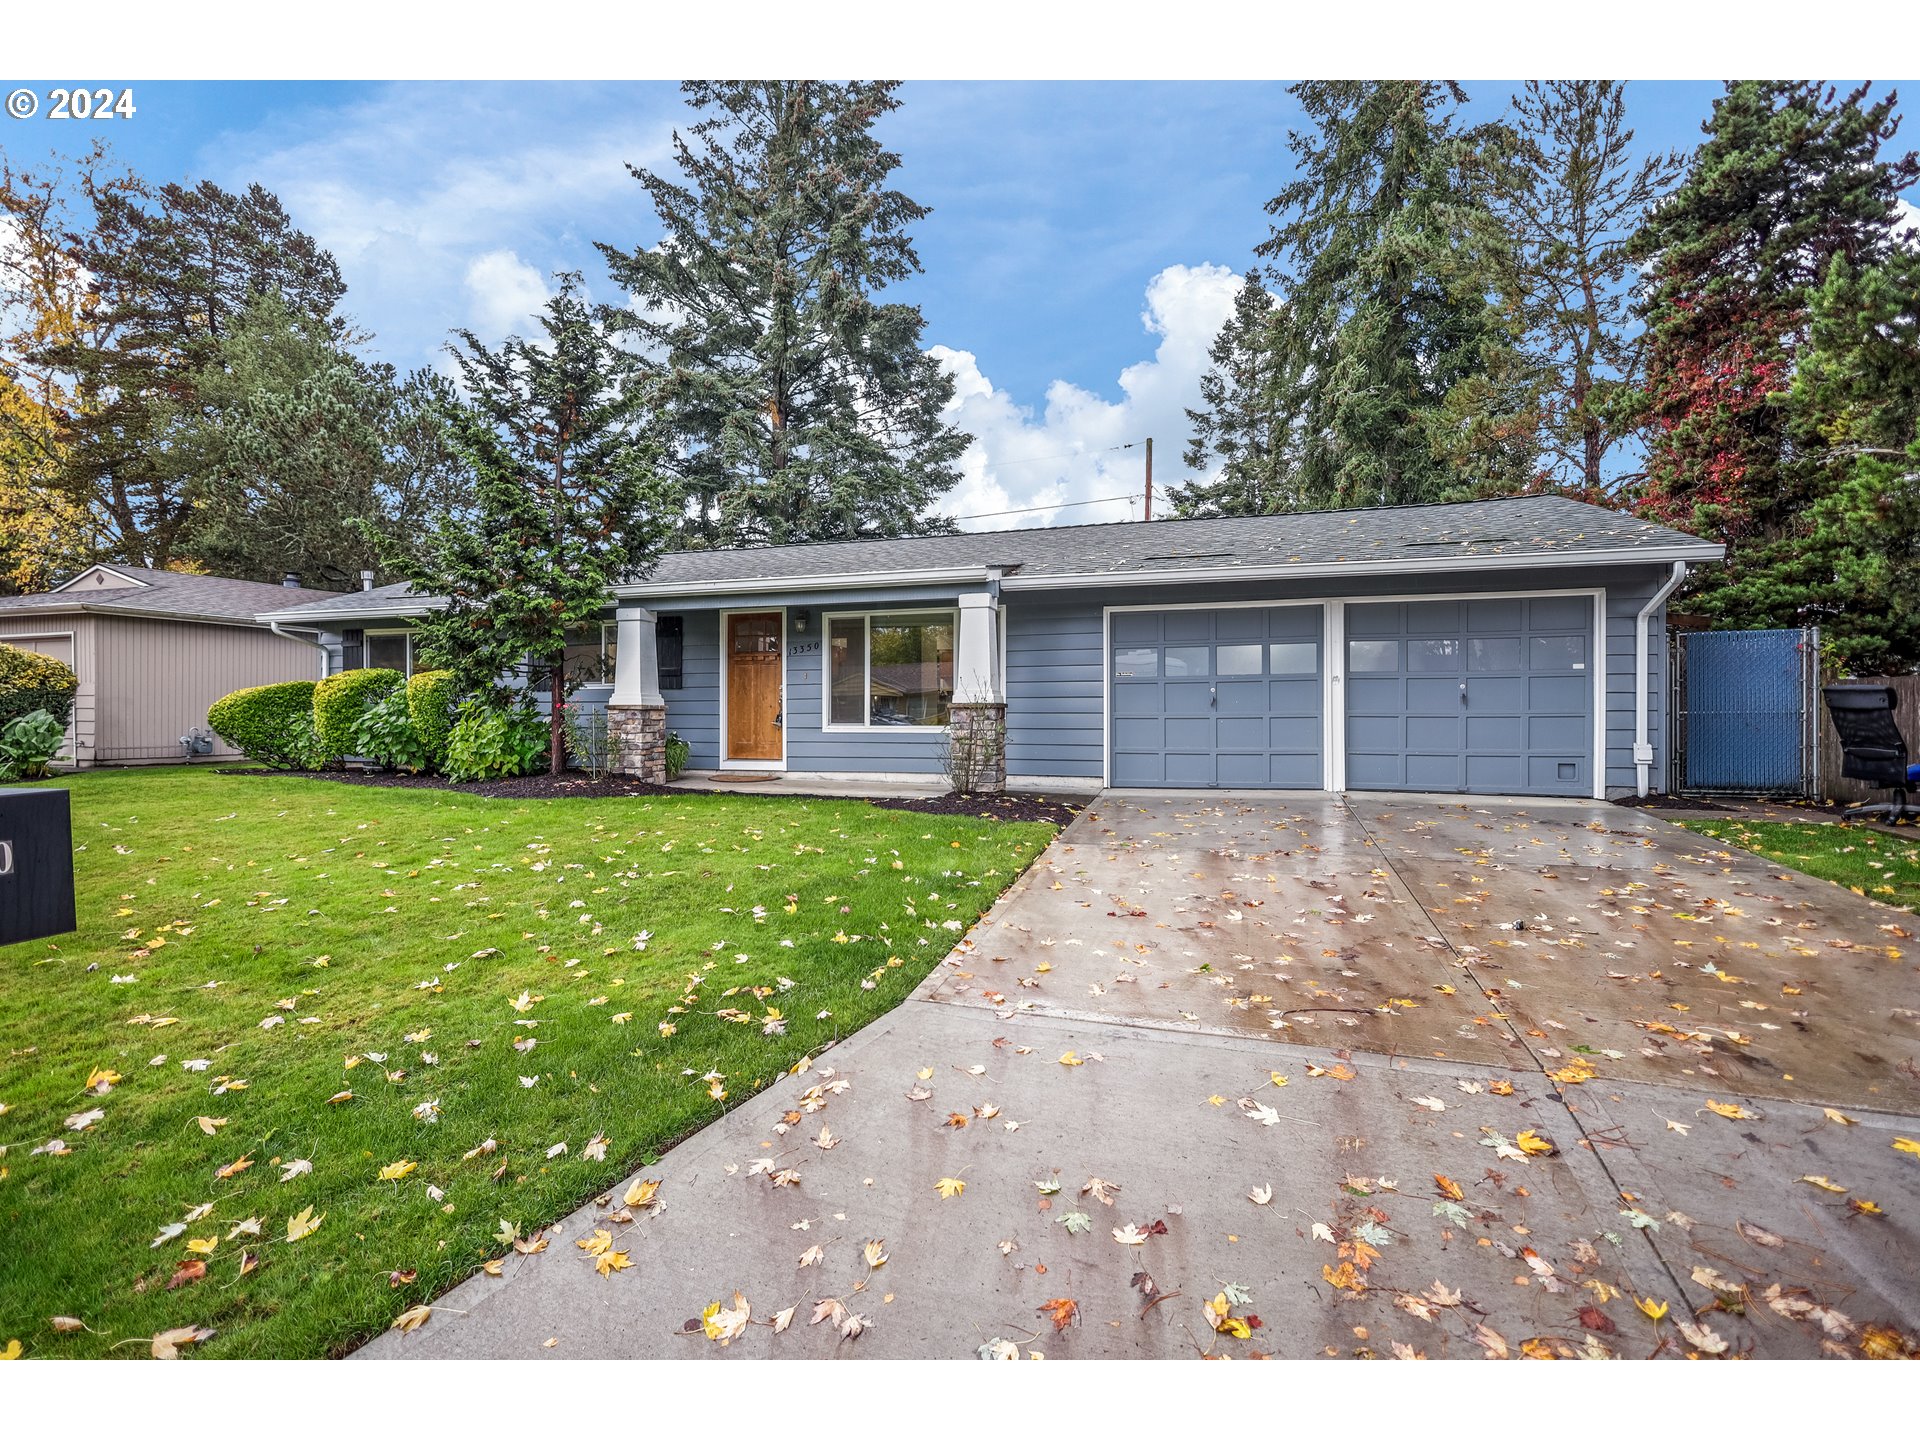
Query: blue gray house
x=1491, y=647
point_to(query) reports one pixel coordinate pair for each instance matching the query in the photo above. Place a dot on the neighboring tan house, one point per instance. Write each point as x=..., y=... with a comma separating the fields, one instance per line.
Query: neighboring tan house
x=152, y=649
x=1491, y=647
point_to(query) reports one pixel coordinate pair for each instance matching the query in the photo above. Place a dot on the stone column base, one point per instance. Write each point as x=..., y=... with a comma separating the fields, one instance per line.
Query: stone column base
x=637, y=741
x=977, y=747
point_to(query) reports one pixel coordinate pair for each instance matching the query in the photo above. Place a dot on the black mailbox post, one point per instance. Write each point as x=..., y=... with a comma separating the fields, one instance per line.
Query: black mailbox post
x=36, y=865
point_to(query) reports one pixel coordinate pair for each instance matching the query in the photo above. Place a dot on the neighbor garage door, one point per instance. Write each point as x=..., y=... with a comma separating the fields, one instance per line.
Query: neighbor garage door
x=1487, y=696
x=1217, y=697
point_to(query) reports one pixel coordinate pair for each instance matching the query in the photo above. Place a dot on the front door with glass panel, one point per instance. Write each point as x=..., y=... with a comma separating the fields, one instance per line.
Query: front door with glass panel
x=754, y=655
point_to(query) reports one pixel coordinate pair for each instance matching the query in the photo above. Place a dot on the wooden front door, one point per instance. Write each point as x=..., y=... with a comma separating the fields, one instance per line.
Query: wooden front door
x=753, y=687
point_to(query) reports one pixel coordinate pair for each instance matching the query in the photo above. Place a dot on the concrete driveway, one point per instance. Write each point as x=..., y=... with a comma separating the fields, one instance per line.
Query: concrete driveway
x=1388, y=1075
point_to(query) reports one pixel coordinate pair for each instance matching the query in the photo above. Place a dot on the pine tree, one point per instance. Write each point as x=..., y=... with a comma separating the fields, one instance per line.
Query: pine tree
x=1236, y=426
x=1571, y=195
x=168, y=273
x=1789, y=179
x=566, y=503
x=1401, y=378
x=793, y=405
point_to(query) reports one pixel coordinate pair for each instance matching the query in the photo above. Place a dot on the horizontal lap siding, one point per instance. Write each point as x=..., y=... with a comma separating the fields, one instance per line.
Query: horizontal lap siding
x=81, y=729
x=158, y=677
x=1055, y=688
x=693, y=711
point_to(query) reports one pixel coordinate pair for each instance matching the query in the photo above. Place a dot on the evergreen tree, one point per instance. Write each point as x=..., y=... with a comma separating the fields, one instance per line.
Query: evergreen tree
x=1789, y=179
x=167, y=274
x=792, y=405
x=566, y=503
x=1401, y=381
x=1236, y=427
x=1570, y=194
x=300, y=452
x=1852, y=563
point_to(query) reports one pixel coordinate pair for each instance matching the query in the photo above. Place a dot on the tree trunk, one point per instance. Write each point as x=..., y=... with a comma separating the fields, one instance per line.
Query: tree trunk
x=556, y=721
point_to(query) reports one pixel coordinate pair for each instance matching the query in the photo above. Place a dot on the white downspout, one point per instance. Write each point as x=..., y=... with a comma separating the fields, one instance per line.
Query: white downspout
x=316, y=642
x=1642, y=741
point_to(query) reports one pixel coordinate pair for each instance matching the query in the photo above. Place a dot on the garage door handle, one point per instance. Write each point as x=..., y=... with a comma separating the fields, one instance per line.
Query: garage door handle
x=1463, y=692
x=1213, y=695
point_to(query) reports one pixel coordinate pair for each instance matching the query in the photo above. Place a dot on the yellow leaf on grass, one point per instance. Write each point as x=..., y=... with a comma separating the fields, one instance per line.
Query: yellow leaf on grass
x=209, y=1124
x=303, y=1224
x=398, y=1170
x=204, y=1244
x=12, y=1351
x=949, y=1187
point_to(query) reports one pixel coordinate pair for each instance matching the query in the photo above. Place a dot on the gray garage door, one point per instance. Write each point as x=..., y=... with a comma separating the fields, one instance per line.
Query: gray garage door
x=1217, y=697
x=1484, y=696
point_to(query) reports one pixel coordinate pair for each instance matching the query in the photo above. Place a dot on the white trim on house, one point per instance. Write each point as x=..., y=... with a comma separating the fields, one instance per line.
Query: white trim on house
x=854, y=580
x=307, y=615
x=133, y=580
x=827, y=617
x=726, y=685
x=1333, y=709
x=366, y=651
x=1437, y=564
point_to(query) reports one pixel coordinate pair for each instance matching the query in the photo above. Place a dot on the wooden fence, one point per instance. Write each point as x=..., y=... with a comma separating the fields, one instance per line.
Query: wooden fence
x=1906, y=713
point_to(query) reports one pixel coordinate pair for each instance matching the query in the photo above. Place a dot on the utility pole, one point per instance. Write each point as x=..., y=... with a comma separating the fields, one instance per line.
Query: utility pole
x=1149, y=509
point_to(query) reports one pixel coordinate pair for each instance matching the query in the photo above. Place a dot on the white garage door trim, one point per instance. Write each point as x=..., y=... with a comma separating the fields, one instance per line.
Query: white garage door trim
x=1333, y=702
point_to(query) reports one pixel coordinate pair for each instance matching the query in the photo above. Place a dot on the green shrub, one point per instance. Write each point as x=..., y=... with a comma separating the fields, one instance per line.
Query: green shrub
x=385, y=734
x=678, y=753
x=430, y=697
x=30, y=682
x=272, y=724
x=589, y=743
x=28, y=743
x=493, y=742
x=340, y=700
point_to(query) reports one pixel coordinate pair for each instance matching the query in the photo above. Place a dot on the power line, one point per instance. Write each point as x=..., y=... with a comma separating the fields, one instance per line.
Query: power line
x=1030, y=509
x=1063, y=455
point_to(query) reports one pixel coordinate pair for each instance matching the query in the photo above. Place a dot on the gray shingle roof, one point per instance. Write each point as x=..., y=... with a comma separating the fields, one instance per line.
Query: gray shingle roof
x=1537, y=526
x=1525, y=525
x=166, y=593
x=387, y=599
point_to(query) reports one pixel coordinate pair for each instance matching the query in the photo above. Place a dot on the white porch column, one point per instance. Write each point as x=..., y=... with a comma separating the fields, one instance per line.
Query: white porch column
x=636, y=665
x=976, y=653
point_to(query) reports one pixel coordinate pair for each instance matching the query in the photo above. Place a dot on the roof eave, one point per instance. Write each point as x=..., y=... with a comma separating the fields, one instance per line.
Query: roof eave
x=1425, y=565
x=308, y=617
x=852, y=580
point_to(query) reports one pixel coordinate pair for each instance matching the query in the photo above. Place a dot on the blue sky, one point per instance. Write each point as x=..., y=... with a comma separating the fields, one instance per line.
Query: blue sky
x=1085, y=241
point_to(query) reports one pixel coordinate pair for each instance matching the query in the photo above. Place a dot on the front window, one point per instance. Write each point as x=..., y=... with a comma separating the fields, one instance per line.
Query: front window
x=390, y=650
x=590, y=653
x=890, y=669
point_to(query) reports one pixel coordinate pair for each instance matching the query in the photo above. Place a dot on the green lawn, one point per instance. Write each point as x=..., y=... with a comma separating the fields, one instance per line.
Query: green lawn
x=1868, y=859
x=291, y=940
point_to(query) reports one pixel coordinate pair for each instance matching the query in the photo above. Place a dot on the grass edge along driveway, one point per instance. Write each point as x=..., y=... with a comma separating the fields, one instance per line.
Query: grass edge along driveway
x=1877, y=861
x=319, y=1051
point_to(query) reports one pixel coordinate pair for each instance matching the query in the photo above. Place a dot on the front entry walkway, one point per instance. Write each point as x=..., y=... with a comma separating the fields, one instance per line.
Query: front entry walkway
x=1395, y=1075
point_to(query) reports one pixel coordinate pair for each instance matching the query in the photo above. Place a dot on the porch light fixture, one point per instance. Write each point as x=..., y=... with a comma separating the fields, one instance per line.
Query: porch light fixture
x=800, y=618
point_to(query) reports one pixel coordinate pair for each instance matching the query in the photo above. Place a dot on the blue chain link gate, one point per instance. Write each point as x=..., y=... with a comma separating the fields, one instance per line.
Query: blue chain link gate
x=1746, y=717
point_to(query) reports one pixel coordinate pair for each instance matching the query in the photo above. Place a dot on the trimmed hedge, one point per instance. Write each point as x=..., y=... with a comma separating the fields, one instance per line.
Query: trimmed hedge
x=340, y=700
x=30, y=682
x=430, y=697
x=269, y=723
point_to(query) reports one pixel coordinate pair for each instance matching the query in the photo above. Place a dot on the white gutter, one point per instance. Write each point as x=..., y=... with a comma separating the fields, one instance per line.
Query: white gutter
x=274, y=626
x=324, y=619
x=1358, y=565
x=856, y=580
x=1642, y=741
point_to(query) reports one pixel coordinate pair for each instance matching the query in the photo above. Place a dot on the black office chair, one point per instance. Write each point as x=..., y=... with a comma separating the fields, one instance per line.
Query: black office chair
x=1872, y=747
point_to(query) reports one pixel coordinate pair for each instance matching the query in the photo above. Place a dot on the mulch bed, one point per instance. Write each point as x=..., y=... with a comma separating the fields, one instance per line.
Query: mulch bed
x=575, y=785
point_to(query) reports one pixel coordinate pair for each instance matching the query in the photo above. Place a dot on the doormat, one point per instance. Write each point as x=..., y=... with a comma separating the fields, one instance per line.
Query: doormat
x=744, y=779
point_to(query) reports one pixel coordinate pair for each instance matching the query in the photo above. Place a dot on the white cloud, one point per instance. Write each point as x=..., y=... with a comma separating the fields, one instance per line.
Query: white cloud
x=503, y=294
x=1071, y=451
x=1908, y=217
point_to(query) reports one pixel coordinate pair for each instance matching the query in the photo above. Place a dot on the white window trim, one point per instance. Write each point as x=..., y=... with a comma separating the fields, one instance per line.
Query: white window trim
x=366, y=651
x=867, y=726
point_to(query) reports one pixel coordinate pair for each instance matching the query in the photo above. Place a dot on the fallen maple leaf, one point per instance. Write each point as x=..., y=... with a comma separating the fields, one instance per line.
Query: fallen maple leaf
x=1449, y=1187
x=411, y=1319
x=641, y=1193
x=949, y=1187
x=611, y=1260
x=1062, y=1311
x=1261, y=1194
x=398, y=1170
x=1824, y=1183
x=1733, y=1111
x=303, y=1225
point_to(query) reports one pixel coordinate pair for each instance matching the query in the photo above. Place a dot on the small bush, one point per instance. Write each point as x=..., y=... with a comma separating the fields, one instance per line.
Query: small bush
x=272, y=724
x=494, y=742
x=385, y=734
x=30, y=682
x=430, y=697
x=678, y=753
x=340, y=700
x=588, y=744
x=28, y=743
